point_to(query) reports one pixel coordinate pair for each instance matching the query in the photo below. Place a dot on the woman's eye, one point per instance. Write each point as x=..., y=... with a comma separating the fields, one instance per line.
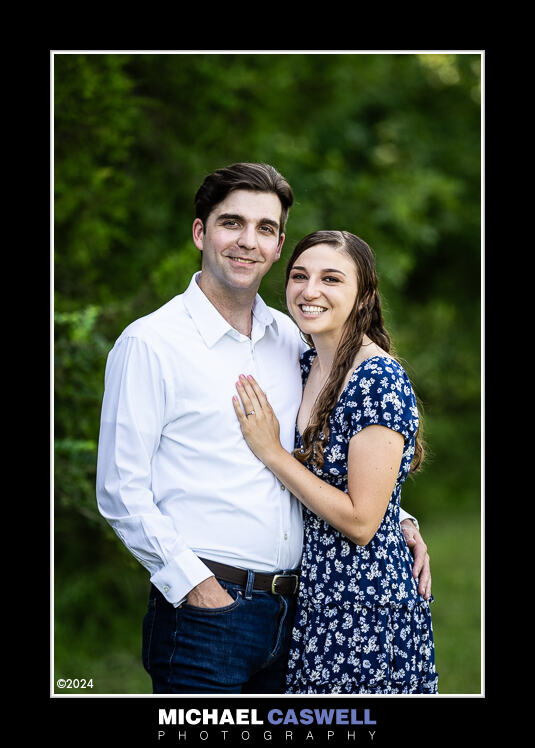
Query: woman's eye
x=297, y=276
x=330, y=278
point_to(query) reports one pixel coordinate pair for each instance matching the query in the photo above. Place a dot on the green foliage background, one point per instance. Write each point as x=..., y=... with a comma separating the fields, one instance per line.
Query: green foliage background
x=386, y=146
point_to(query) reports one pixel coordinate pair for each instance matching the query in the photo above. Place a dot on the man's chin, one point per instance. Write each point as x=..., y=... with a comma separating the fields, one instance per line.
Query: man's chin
x=234, y=282
x=245, y=280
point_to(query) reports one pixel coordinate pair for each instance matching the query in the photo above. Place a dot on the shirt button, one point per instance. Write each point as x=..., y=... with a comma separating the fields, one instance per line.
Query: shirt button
x=166, y=588
x=285, y=536
x=283, y=488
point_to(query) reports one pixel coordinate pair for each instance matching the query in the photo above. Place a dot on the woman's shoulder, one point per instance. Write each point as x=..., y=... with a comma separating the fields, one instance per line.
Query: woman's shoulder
x=372, y=356
x=381, y=369
x=382, y=362
x=381, y=393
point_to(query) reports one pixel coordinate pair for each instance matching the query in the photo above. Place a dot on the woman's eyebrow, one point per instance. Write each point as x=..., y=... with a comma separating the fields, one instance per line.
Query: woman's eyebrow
x=325, y=270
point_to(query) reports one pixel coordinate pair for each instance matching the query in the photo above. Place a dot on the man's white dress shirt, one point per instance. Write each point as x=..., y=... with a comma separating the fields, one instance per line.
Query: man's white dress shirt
x=175, y=477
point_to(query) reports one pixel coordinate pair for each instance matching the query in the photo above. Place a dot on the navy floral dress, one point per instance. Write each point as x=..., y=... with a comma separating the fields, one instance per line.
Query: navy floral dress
x=361, y=626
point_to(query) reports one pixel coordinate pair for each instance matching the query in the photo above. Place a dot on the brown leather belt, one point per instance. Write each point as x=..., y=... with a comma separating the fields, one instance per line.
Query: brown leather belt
x=283, y=583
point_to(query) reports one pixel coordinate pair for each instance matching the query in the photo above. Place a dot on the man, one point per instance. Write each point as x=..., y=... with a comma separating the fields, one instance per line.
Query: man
x=220, y=536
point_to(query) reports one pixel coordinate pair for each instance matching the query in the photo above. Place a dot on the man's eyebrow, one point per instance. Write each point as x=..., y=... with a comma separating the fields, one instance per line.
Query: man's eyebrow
x=238, y=217
x=325, y=270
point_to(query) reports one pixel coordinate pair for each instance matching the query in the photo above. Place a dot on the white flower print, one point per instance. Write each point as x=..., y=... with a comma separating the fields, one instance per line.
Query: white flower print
x=365, y=385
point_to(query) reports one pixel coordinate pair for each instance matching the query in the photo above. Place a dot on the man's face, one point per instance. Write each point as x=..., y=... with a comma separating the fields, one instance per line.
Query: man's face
x=240, y=241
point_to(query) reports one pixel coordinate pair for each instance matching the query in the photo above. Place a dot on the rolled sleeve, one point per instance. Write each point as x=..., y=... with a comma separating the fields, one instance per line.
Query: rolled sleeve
x=180, y=575
x=405, y=515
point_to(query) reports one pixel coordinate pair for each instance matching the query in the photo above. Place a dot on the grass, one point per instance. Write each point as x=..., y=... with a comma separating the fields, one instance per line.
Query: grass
x=105, y=644
x=455, y=549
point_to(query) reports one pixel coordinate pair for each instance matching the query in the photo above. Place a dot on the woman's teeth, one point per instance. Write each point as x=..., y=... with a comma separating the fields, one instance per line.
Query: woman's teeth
x=312, y=309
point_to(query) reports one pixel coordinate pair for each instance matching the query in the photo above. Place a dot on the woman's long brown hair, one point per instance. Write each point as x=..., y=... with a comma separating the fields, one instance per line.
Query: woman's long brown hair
x=366, y=317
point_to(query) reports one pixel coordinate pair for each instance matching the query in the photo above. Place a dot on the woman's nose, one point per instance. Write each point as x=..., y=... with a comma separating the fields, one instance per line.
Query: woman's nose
x=311, y=290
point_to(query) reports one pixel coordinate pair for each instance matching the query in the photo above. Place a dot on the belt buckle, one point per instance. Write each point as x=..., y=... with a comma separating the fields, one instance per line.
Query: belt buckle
x=283, y=576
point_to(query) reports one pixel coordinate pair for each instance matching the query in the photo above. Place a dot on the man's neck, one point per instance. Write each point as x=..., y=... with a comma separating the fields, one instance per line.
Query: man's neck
x=235, y=306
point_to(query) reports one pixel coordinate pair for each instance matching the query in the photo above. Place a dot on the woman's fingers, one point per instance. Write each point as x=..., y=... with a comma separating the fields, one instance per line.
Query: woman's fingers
x=261, y=404
x=246, y=387
x=258, y=391
x=252, y=396
x=239, y=410
x=248, y=395
x=257, y=422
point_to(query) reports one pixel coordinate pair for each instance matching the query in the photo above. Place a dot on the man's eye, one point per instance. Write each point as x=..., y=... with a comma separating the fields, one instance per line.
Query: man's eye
x=267, y=228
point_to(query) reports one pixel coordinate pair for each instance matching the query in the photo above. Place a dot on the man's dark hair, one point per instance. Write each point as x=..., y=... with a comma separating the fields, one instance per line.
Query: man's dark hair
x=243, y=176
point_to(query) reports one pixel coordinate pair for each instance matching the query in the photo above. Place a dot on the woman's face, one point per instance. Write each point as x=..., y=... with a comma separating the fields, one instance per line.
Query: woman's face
x=322, y=289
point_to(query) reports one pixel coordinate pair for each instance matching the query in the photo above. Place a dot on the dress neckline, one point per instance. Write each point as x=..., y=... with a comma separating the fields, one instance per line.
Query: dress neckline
x=357, y=367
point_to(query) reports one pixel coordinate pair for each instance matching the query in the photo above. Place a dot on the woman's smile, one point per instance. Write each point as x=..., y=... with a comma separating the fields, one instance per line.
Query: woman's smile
x=311, y=311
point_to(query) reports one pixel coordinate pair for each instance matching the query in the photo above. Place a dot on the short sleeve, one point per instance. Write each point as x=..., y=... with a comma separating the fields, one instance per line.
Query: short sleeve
x=380, y=393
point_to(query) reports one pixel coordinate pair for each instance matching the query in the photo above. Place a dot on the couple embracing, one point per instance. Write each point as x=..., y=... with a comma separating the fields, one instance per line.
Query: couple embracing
x=253, y=463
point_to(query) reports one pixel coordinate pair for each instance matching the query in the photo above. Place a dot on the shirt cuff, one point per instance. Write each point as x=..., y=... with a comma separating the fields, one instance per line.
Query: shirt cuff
x=405, y=515
x=179, y=576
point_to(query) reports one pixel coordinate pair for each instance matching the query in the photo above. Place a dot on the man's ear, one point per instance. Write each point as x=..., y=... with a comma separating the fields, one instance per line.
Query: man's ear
x=279, y=248
x=198, y=233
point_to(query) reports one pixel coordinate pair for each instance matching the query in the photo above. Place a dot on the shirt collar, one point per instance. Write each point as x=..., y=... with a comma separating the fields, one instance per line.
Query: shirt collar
x=211, y=324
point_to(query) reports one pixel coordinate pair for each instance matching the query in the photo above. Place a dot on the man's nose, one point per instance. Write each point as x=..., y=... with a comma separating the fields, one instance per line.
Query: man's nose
x=247, y=237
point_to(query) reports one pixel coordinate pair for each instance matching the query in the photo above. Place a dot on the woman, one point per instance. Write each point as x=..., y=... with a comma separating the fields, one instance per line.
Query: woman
x=361, y=626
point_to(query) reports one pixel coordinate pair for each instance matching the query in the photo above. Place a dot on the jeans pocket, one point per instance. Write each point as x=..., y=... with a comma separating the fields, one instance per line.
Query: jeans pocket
x=238, y=598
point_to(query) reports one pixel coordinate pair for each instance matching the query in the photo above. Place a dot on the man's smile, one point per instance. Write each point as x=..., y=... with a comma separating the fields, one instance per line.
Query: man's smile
x=242, y=260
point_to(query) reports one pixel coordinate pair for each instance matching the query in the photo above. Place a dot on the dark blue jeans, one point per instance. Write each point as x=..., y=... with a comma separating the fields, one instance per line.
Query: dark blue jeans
x=240, y=648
